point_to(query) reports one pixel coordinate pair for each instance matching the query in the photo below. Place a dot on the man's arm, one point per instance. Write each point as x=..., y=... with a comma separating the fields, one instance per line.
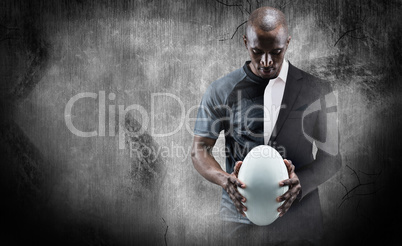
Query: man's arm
x=325, y=165
x=308, y=178
x=319, y=171
x=327, y=137
x=210, y=169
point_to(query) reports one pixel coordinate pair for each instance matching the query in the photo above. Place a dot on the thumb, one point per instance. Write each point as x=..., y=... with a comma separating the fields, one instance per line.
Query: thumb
x=237, y=168
x=289, y=165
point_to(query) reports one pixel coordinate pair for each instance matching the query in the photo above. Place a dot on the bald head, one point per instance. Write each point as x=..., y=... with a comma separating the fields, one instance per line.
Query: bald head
x=266, y=19
x=266, y=40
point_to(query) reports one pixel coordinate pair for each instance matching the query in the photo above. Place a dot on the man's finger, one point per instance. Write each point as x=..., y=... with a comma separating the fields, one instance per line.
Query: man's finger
x=294, y=191
x=237, y=200
x=239, y=197
x=237, y=167
x=286, y=205
x=237, y=182
x=289, y=165
x=232, y=190
x=236, y=194
x=285, y=196
x=289, y=182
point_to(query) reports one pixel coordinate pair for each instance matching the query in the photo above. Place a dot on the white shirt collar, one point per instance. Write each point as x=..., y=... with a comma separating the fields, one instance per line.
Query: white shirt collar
x=283, y=74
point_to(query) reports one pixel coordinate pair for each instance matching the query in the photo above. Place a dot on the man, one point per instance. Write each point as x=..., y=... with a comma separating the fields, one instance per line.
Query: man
x=265, y=102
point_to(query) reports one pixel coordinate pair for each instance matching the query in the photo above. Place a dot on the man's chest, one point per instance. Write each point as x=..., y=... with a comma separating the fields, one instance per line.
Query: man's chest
x=245, y=114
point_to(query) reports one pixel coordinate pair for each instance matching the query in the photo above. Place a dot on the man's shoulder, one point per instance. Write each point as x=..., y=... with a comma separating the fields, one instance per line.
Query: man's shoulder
x=309, y=80
x=223, y=86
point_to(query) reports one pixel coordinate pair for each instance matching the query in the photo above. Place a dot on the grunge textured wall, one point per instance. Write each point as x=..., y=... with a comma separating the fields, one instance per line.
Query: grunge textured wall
x=160, y=56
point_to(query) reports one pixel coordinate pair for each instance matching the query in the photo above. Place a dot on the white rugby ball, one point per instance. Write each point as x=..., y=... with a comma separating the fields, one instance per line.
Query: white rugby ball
x=261, y=171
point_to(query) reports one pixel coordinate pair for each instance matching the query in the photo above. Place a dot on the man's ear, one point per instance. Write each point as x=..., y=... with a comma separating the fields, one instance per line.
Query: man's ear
x=245, y=41
x=288, y=41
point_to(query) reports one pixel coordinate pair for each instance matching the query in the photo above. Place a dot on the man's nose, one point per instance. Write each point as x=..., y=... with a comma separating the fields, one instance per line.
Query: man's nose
x=266, y=60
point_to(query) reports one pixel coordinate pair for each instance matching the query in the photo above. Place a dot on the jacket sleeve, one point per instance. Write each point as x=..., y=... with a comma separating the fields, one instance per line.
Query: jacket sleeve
x=326, y=137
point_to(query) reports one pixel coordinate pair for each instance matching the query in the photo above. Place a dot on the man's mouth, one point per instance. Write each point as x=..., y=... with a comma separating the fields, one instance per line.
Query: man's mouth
x=266, y=71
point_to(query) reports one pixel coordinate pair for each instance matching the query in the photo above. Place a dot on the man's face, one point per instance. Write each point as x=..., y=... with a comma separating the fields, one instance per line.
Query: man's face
x=266, y=50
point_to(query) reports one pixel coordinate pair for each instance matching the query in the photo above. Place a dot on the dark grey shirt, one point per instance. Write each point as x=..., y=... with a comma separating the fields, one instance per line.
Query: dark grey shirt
x=233, y=104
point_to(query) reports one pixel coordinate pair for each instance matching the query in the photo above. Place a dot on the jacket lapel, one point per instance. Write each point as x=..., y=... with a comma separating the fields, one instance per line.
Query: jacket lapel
x=292, y=89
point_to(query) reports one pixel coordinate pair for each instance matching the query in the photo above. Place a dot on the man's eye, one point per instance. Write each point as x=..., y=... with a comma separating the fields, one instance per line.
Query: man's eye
x=277, y=52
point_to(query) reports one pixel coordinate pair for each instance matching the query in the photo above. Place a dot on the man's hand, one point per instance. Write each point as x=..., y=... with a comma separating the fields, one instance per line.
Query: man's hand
x=207, y=166
x=231, y=188
x=294, y=189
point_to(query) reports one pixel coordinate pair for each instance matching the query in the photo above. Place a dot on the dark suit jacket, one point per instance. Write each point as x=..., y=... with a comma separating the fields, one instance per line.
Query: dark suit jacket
x=295, y=129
